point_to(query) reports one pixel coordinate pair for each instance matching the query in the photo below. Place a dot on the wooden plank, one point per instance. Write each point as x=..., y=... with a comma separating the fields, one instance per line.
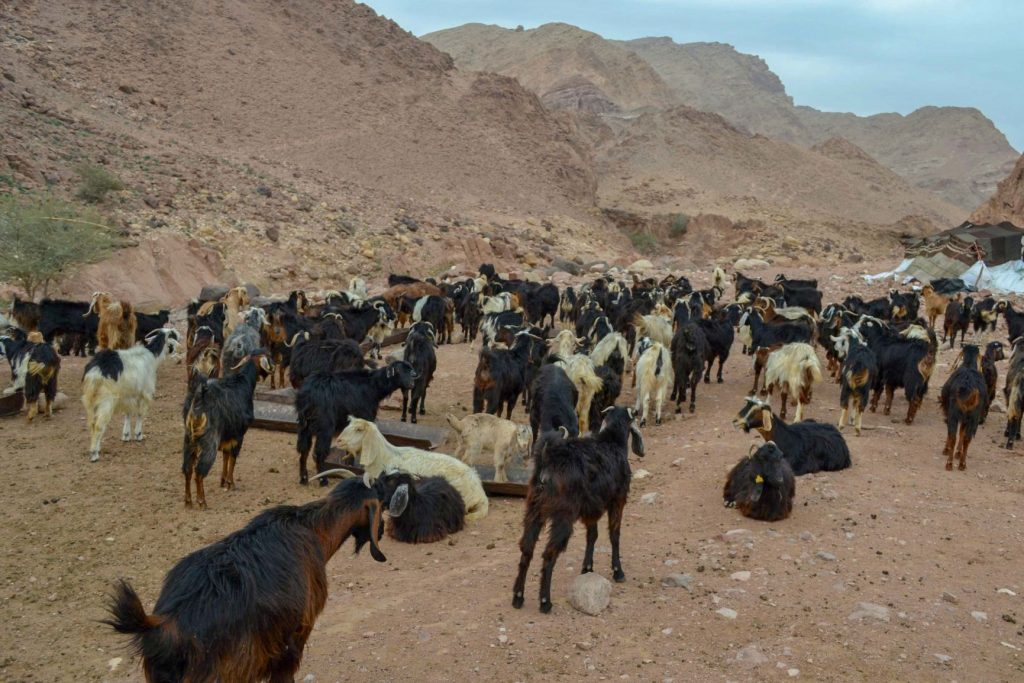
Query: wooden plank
x=281, y=417
x=285, y=396
x=396, y=337
x=11, y=404
x=517, y=488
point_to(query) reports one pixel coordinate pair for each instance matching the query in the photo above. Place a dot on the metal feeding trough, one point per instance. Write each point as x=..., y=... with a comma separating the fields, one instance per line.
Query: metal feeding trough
x=11, y=404
x=275, y=411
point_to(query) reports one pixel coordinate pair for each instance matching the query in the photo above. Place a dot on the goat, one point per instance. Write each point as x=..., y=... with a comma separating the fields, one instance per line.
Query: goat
x=654, y=326
x=539, y=302
x=566, y=305
x=492, y=323
x=501, y=375
x=1014, y=320
x=808, y=446
x=60, y=317
x=241, y=609
x=327, y=401
x=236, y=299
x=25, y=313
x=244, y=339
x=117, y=324
x=437, y=310
x=217, y=416
x=434, y=509
x=689, y=354
x=964, y=398
x=719, y=335
x=956, y=319
x=803, y=296
x=419, y=354
x=612, y=351
x=554, y=401
x=762, y=485
x=35, y=367
x=655, y=376
x=1013, y=391
x=993, y=352
x=362, y=439
x=203, y=356
x=770, y=334
x=577, y=479
x=481, y=432
x=984, y=315
x=123, y=380
x=583, y=374
x=793, y=369
x=324, y=355
x=857, y=376
x=903, y=361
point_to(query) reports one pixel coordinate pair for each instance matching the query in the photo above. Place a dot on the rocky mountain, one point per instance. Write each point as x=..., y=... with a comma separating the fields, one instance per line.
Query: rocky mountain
x=954, y=152
x=1007, y=204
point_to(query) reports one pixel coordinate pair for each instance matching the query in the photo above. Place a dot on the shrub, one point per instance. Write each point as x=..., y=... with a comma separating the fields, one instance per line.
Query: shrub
x=679, y=224
x=644, y=242
x=45, y=239
x=96, y=183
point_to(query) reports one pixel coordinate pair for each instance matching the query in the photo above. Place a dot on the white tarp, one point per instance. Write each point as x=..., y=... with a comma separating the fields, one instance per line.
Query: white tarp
x=890, y=273
x=1007, y=278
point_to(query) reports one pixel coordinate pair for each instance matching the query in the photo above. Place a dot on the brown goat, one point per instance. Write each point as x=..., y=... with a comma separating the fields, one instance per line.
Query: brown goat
x=934, y=304
x=234, y=302
x=117, y=322
x=412, y=289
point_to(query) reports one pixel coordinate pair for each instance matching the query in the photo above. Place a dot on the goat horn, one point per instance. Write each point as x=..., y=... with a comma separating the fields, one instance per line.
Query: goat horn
x=345, y=474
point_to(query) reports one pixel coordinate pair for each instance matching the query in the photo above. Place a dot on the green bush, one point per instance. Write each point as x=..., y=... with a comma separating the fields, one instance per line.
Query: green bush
x=45, y=239
x=96, y=183
x=679, y=224
x=644, y=242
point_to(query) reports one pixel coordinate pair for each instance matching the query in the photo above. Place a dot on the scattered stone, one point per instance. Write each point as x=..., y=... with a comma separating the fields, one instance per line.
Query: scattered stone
x=590, y=593
x=114, y=663
x=151, y=201
x=678, y=462
x=949, y=597
x=793, y=673
x=264, y=191
x=677, y=581
x=750, y=656
x=598, y=267
x=641, y=265
x=666, y=631
x=568, y=266
x=127, y=89
x=749, y=263
x=827, y=556
x=650, y=498
x=503, y=639
x=584, y=645
x=854, y=258
x=368, y=253
x=998, y=406
x=869, y=610
x=727, y=612
x=945, y=659
x=273, y=233
x=641, y=474
x=806, y=536
x=212, y=292
x=980, y=616
x=740, y=576
x=309, y=678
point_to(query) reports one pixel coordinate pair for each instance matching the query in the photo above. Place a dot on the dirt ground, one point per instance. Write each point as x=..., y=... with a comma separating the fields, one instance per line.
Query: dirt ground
x=935, y=553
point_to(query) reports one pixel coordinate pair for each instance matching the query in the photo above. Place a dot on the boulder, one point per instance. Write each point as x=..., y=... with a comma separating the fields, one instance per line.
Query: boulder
x=750, y=264
x=641, y=265
x=590, y=593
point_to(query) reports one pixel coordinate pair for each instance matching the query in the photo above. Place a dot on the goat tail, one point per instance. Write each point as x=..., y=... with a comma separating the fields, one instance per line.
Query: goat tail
x=196, y=422
x=659, y=363
x=43, y=370
x=127, y=615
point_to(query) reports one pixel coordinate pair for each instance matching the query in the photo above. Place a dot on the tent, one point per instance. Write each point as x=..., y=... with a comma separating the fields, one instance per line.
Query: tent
x=983, y=256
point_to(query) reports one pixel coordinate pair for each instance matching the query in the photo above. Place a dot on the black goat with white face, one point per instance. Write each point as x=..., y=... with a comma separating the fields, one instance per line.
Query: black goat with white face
x=762, y=485
x=577, y=479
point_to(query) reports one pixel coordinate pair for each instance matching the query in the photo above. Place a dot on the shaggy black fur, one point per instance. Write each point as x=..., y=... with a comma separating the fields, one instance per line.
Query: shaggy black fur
x=762, y=485
x=434, y=509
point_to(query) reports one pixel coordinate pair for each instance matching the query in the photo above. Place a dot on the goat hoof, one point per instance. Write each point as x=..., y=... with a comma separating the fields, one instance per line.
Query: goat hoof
x=188, y=504
x=962, y=466
x=721, y=381
x=545, y=606
x=949, y=467
x=517, y=601
x=619, y=576
x=403, y=418
x=125, y=438
x=692, y=407
x=587, y=570
x=304, y=481
x=140, y=437
x=657, y=422
x=93, y=457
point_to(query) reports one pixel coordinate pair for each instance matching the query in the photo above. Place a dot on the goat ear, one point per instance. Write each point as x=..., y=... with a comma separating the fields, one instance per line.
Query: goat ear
x=373, y=517
x=766, y=419
x=399, y=501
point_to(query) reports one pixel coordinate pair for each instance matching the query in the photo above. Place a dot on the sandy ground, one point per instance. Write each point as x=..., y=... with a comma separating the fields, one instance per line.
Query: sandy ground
x=937, y=554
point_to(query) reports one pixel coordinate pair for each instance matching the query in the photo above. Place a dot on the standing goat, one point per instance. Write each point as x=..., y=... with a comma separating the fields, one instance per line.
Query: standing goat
x=217, y=416
x=857, y=375
x=793, y=370
x=964, y=398
x=419, y=353
x=481, y=432
x=241, y=609
x=123, y=380
x=577, y=479
x=117, y=322
x=244, y=339
x=654, y=381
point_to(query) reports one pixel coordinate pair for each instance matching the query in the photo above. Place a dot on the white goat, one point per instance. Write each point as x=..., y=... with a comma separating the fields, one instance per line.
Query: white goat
x=607, y=346
x=584, y=377
x=482, y=432
x=565, y=342
x=794, y=369
x=123, y=380
x=497, y=303
x=357, y=289
x=718, y=281
x=656, y=327
x=654, y=379
x=376, y=455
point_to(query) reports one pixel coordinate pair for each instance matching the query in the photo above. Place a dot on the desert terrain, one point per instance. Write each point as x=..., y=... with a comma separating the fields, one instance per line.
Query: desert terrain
x=892, y=570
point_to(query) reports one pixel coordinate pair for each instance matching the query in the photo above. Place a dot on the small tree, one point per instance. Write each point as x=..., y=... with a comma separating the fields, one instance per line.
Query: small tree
x=45, y=239
x=96, y=183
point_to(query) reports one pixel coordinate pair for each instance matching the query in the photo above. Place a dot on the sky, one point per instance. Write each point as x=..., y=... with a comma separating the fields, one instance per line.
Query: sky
x=860, y=56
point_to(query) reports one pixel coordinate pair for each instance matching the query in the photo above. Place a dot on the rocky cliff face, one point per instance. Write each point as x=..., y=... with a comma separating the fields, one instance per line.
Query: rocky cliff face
x=1007, y=204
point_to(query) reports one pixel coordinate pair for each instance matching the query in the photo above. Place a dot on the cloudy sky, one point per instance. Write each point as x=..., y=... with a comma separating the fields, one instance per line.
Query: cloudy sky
x=862, y=56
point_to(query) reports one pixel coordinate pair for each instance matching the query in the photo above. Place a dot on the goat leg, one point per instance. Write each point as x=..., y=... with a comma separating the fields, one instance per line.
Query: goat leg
x=532, y=525
x=126, y=431
x=842, y=416
x=405, y=404
x=614, y=526
x=558, y=541
x=588, y=555
x=965, y=441
x=224, y=468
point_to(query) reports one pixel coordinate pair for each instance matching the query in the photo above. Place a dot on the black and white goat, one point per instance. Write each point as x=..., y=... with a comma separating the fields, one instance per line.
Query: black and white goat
x=123, y=380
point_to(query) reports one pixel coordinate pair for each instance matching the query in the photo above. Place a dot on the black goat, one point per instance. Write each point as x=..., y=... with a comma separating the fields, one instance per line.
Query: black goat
x=326, y=400
x=577, y=479
x=993, y=352
x=492, y=323
x=60, y=317
x=857, y=376
x=501, y=375
x=1013, y=391
x=25, y=313
x=805, y=297
x=770, y=334
x=902, y=362
x=241, y=609
x=719, y=333
x=553, y=404
x=566, y=305
x=956, y=319
x=809, y=446
x=150, y=322
x=761, y=485
x=434, y=310
x=326, y=355
x=964, y=399
x=217, y=415
x=434, y=508
x=984, y=315
x=689, y=355
x=1014, y=320
x=419, y=354
x=539, y=302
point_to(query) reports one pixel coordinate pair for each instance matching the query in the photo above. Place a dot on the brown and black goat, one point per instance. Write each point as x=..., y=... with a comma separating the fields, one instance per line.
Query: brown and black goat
x=964, y=398
x=117, y=322
x=241, y=609
x=577, y=479
x=762, y=485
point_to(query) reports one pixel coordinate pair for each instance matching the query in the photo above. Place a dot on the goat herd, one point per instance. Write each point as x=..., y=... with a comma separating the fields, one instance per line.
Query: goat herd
x=264, y=585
